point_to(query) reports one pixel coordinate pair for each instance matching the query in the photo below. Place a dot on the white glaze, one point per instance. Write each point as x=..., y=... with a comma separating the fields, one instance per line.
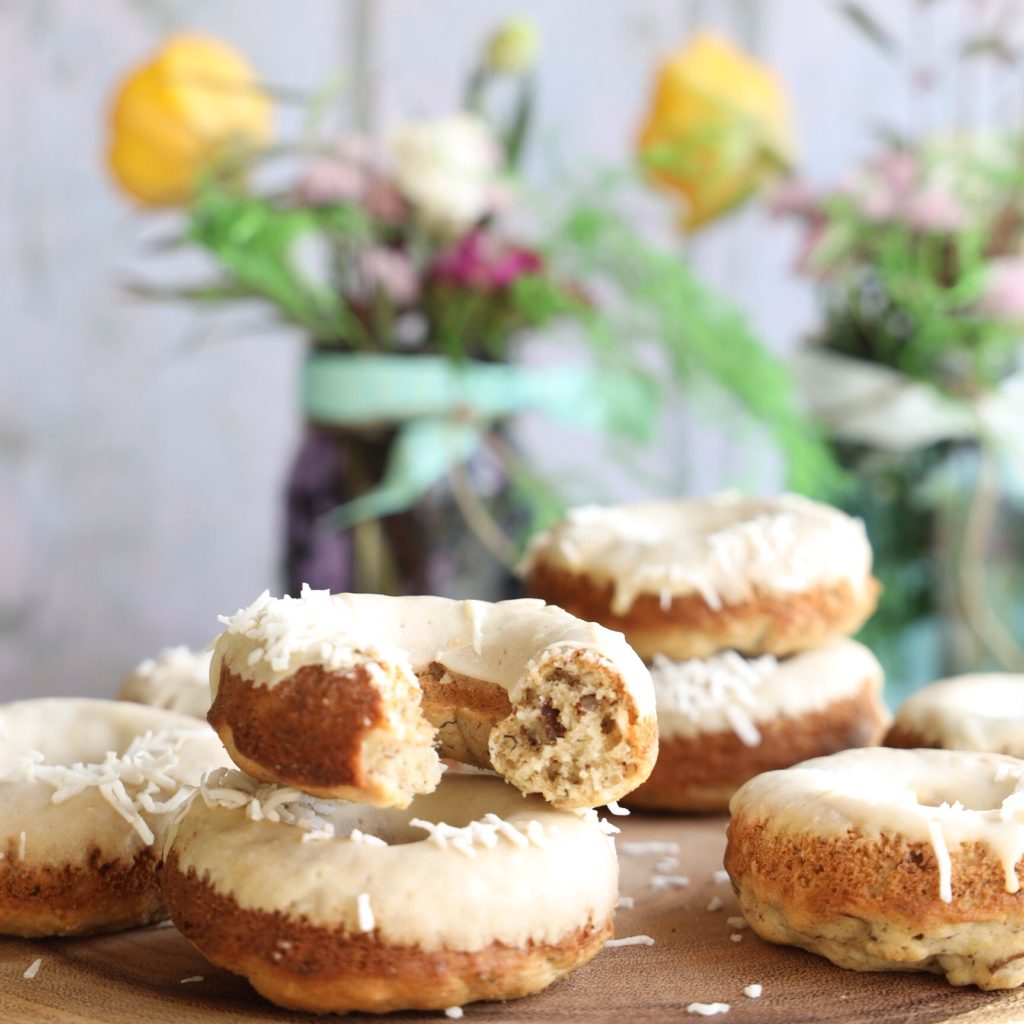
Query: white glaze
x=177, y=679
x=943, y=798
x=726, y=548
x=496, y=643
x=77, y=775
x=473, y=863
x=971, y=712
x=729, y=692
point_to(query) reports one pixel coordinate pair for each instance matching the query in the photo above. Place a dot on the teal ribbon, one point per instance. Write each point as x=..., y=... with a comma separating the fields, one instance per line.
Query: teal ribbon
x=443, y=410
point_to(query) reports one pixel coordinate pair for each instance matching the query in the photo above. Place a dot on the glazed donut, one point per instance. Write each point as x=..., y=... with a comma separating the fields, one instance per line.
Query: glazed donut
x=177, y=679
x=471, y=893
x=726, y=719
x=86, y=791
x=687, y=578
x=975, y=712
x=323, y=692
x=888, y=860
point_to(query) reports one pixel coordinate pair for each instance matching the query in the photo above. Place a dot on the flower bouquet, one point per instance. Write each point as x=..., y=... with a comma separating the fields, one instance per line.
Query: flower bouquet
x=916, y=375
x=398, y=261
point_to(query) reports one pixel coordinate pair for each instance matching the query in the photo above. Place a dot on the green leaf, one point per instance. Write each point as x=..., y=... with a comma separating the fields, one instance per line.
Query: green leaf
x=868, y=26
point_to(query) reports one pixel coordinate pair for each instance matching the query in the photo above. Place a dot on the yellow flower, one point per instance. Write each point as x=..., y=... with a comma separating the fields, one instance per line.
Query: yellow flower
x=178, y=114
x=718, y=126
x=513, y=48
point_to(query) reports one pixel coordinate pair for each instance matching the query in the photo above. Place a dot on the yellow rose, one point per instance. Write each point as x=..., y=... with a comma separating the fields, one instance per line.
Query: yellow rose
x=180, y=113
x=718, y=126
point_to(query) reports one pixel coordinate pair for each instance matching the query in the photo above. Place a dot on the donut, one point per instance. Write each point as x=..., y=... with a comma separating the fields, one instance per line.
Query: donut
x=177, y=679
x=87, y=788
x=888, y=860
x=972, y=712
x=472, y=892
x=690, y=577
x=346, y=695
x=725, y=719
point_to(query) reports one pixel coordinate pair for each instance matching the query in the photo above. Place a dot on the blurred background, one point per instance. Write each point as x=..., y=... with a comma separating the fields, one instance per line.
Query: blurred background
x=147, y=447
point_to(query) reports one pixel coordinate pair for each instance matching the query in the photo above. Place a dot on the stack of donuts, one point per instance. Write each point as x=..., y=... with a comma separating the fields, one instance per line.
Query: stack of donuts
x=343, y=865
x=743, y=609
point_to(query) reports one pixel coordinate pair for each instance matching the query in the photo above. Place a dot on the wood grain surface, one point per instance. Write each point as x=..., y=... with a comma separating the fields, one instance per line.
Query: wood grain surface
x=137, y=977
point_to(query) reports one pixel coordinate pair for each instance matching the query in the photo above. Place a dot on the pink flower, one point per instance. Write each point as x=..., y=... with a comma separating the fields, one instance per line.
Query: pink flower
x=479, y=261
x=392, y=272
x=352, y=174
x=934, y=209
x=1003, y=296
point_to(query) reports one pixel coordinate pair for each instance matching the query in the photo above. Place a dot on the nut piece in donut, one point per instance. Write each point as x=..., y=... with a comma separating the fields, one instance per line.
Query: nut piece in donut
x=471, y=893
x=971, y=712
x=87, y=788
x=177, y=679
x=725, y=719
x=888, y=860
x=341, y=695
x=690, y=577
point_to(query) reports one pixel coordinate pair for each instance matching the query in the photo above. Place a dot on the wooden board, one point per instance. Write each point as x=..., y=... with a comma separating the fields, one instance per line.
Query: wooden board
x=136, y=977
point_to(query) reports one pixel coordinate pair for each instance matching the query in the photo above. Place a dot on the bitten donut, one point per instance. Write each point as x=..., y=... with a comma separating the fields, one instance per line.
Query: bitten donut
x=177, y=679
x=87, y=788
x=975, y=712
x=725, y=719
x=341, y=696
x=687, y=578
x=471, y=893
x=888, y=860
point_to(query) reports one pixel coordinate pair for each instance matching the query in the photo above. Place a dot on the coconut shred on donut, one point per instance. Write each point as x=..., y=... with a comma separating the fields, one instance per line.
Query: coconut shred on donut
x=689, y=577
x=344, y=695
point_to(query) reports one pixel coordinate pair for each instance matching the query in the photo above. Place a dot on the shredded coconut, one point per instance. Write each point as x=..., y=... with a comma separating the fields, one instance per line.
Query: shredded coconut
x=631, y=940
x=130, y=782
x=486, y=832
x=191, y=980
x=367, y=922
x=455, y=1012
x=626, y=902
x=230, y=788
x=708, y=1009
x=725, y=682
x=21, y=845
x=736, y=936
x=739, y=923
x=615, y=808
x=753, y=991
x=287, y=628
x=715, y=903
x=669, y=881
x=666, y=865
x=33, y=969
x=642, y=849
x=721, y=877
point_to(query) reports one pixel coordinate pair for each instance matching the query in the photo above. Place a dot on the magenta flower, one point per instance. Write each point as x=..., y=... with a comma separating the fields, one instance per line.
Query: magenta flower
x=480, y=261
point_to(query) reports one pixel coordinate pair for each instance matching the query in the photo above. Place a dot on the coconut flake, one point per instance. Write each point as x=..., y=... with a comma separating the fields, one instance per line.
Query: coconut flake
x=708, y=1009
x=630, y=940
x=33, y=969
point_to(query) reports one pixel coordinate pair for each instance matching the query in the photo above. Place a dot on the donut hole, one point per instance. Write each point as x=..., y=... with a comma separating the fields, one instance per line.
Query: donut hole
x=475, y=789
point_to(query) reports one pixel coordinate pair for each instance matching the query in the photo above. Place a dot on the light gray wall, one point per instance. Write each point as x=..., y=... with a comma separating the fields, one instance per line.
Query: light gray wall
x=142, y=447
